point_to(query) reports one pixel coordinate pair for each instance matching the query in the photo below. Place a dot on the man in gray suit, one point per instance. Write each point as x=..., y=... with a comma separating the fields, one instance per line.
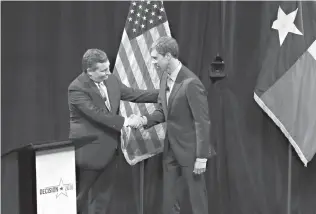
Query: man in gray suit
x=94, y=100
x=183, y=106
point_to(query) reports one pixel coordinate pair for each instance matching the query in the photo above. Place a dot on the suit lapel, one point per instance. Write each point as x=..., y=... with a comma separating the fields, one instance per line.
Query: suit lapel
x=177, y=85
x=87, y=81
x=93, y=87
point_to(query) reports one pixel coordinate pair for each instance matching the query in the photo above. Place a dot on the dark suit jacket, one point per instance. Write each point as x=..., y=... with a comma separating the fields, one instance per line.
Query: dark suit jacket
x=187, y=117
x=90, y=116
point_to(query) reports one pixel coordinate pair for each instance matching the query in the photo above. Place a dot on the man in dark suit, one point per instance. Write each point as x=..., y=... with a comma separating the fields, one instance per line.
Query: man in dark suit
x=94, y=99
x=183, y=106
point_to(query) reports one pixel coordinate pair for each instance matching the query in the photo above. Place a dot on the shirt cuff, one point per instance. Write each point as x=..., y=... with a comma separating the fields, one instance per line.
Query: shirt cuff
x=126, y=121
x=202, y=160
x=144, y=120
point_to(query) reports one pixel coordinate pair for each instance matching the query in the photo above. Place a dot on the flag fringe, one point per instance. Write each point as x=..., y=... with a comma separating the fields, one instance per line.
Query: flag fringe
x=281, y=126
x=138, y=158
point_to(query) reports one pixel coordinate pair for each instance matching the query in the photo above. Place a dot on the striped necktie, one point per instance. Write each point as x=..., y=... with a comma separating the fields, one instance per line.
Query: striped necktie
x=103, y=91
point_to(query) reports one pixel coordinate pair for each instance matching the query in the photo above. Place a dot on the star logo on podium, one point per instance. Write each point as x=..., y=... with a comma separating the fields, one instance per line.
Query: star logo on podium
x=62, y=188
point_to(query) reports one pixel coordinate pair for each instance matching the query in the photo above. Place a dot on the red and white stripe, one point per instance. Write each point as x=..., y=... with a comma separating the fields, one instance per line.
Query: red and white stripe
x=134, y=68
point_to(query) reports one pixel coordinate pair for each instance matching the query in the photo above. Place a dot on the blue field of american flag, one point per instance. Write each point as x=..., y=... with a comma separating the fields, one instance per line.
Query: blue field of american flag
x=146, y=22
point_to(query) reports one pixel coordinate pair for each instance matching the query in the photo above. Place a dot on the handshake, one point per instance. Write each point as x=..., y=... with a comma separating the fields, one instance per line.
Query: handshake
x=135, y=121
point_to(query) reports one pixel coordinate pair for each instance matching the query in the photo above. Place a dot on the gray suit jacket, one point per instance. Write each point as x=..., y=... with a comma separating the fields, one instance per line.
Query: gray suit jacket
x=90, y=116
x=187, y=117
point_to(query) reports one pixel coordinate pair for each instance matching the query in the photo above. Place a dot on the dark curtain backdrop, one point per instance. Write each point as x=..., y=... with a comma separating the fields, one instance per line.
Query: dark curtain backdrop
x=254, y=171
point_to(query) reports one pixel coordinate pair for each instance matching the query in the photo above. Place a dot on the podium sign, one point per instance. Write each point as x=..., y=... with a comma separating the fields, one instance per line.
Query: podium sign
x=56, y=181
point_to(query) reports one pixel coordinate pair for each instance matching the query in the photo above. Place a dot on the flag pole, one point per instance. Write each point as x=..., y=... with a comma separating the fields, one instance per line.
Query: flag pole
x=289, y=179
x=141, y=187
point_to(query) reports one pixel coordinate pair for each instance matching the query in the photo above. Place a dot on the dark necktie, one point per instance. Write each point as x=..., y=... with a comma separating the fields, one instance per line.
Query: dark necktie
x=168, y=88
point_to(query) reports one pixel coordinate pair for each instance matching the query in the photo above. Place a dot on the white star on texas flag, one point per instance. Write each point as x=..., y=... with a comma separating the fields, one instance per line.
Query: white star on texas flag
x=285, y=24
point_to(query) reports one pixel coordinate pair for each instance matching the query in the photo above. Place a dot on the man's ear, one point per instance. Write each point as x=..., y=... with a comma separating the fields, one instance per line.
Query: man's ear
x=89, y=70
x=168, y=55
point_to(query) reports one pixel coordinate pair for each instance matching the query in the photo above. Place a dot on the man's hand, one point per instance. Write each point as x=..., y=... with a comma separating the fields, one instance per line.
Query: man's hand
x=134, y=121
x=199, y=166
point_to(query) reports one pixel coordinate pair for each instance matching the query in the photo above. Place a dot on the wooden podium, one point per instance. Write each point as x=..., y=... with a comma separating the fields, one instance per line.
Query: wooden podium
x=41, y=178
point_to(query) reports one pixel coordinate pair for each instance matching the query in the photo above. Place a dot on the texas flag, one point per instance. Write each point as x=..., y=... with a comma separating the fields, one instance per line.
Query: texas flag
x=286, y=86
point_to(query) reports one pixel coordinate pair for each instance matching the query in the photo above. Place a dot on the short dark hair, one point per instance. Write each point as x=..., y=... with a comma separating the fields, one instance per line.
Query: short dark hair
x=166, y=44
x=91, y=57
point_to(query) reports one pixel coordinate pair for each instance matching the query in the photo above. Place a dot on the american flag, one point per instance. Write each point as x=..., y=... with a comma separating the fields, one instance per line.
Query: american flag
x=146, y=22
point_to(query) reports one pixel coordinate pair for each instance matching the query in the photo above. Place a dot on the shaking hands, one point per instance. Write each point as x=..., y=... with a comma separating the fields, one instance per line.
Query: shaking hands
x=135, y=121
